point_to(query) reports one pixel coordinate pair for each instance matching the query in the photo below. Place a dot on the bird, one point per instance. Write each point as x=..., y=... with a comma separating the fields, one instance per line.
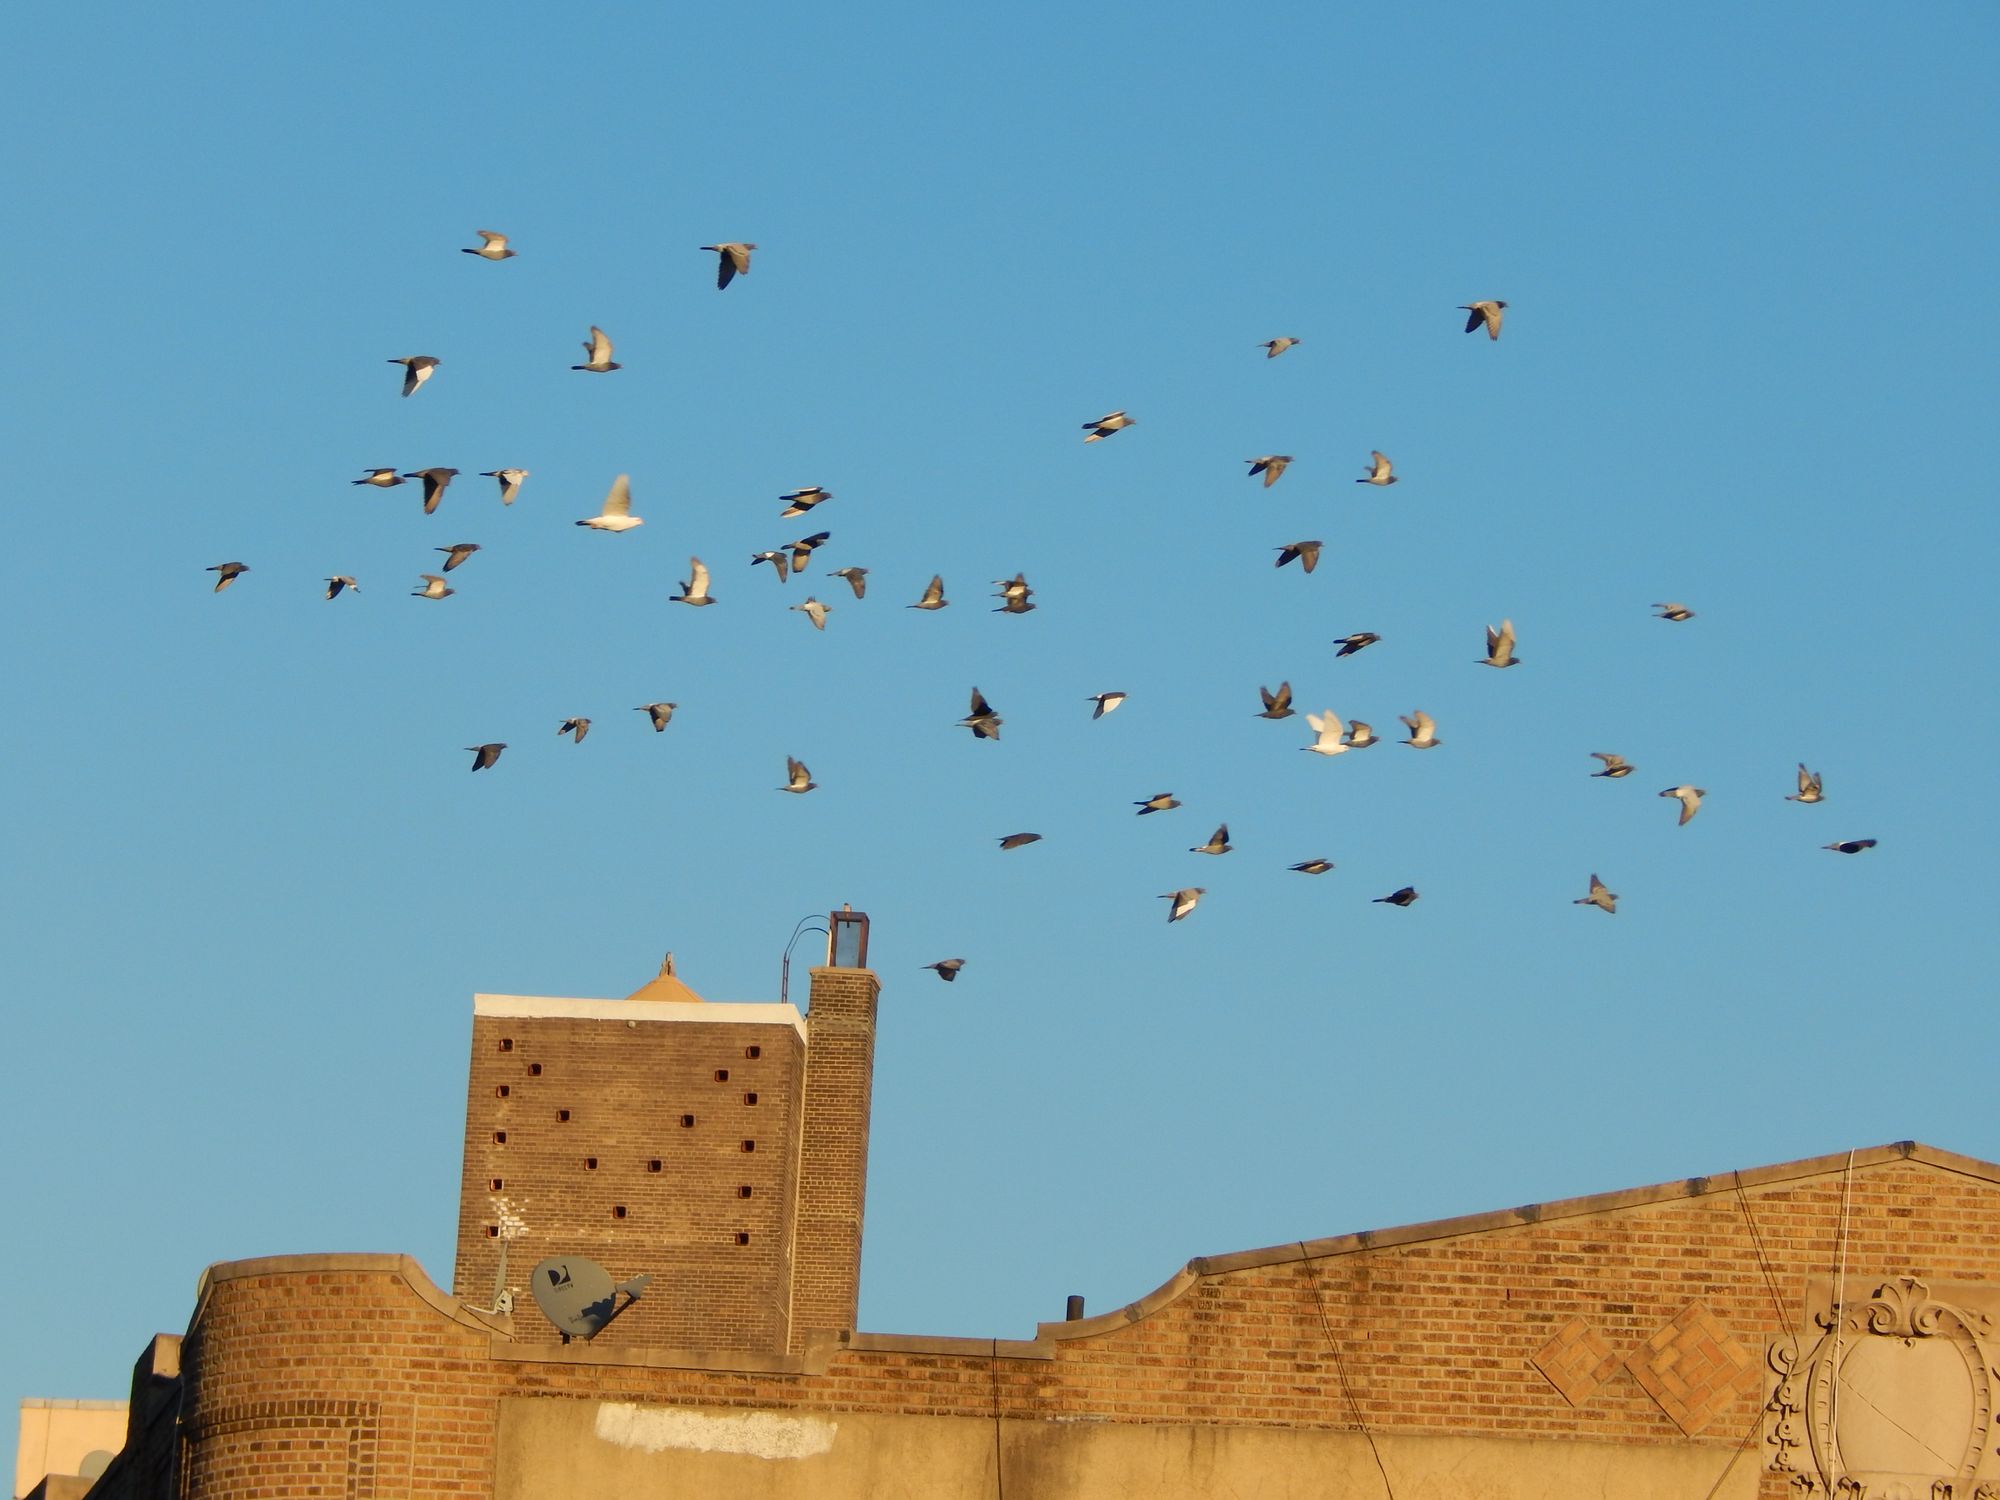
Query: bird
x=1327, y=734
x=227, y=573
x=1158, y=802
x=456, y=553
x=857, y=579
x=947, y=968
x=1689, y=798
x=803, y=549
x=662, y=714
x=1380, y=470
x=417, y=368
x=382, y=479
x=799, y=501
x=1277, y=705
x=338, y=582
x=933, y=595
x=435, y=481
x=495, y=247
x=1107, y=424
x=982, y=720
x=1488, y=313
x=577, y=727
x=695, y=590
x=1184, y=901
x=1015, y=595
x=1360, y=734
x=484, y=757
x=1361, y=640
x=1500, y=646
x=1809, y=787
x=777, y=560
x=510, y=482
x=1307, y=554
x=1106, y=703
x=598, y=347
x=1406, y=896
x=1313, y=866
x=1274, y=347
x=733, y=260
x=433, y=588
x=1017, y=840
x=1218, y=842
x=617, y=513
x=1270, y=465
x=797, y=777
x=1850, y=846
x=1604, y=900
x=1614, y=765
x=1674, y=612
x=1423, y=731
x=815, y=611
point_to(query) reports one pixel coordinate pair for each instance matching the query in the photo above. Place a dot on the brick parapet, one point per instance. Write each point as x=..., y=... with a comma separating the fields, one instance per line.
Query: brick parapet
x=833, y=1151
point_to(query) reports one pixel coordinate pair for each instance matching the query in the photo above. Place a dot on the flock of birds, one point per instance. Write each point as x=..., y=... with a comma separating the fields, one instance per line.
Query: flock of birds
x=1330, y=735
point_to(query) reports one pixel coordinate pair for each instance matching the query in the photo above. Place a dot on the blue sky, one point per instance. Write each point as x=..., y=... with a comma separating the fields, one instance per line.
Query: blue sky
x=251, y=885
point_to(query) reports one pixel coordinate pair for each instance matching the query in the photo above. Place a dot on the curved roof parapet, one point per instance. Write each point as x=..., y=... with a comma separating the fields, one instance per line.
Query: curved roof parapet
x=403, y=1267
x=664, y=986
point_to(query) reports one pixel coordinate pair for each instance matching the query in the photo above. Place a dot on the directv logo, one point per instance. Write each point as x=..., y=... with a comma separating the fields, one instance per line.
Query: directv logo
x=558, y=1276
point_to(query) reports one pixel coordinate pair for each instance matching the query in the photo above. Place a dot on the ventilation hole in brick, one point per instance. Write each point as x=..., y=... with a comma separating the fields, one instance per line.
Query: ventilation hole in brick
x=749, y=1098
x=590, y=1164
x=497, y=1184
x=502, y=1092
x=749, y=1145
x=562, y=1117
x=753, y=1051
x=653, y=1165
x=687, y=1122
x=493, y=1231
x=722, y=1075
x=499, y=1137
x=506, y=1044
x=617, y=1210
x=534, y=1070
x=744, y=1191
x=742, y=1236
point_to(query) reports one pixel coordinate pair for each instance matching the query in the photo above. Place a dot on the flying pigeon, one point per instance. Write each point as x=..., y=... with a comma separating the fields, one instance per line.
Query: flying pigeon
x=982, y=720
x=1850, y=846
x=1614, y=765
x=1158, y=802
x=1274, y=347
x=1809, y=787
x=1327, y=734
x=510, y=482
x=733, y=260
x=1405, y=897
x=1106, y=703
x=933, y=595
x=1017, y=840
x=1313, y=866
x=382, y=479
x=1500, y=646
x=1674, y=612
x=1380, y=470
x=1488, y=313
x=799, y=501
x=695, y=590
x=1271, y=466
x=1184, y=901
x=777, y=560
x=495, y=247
x=416, y=370
x=338, y=582
x=662, y=714
x=1689, y=798
x=1277, y=705
x=1361, y=640
x=857, y=579
x=227, y=573
x=1360, y=734
x=1016, y=596
x=577, y=727
x=1423, y=731
x=1307, y=554
x=797, y=777
x=815, y=611
x=598, y=347
x=433, y=588
x=803, y=549
x=435, y=481
x=456, y=553
x=1107, y=424
x=485, y=757
x=617, y=513
x=947, y=968
x=1218, y=842
x=1604, y=900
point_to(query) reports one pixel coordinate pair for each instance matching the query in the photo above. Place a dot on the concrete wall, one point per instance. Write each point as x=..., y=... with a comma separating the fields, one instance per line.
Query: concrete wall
x=57, y=1436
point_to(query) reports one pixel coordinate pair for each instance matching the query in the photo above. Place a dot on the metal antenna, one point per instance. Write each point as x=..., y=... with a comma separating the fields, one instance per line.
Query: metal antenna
x=811, y=923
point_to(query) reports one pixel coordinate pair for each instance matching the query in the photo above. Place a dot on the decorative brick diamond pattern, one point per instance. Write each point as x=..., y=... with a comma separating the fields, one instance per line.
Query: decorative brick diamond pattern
x=1691, y=1367
x=1576, y=1361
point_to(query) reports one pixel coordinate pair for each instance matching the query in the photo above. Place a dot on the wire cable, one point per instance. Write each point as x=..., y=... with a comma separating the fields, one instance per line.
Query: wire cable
x=1340, y=1369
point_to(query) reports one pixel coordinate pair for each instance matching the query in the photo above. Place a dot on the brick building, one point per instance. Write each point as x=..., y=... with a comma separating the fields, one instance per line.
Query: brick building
x=1822, y=1327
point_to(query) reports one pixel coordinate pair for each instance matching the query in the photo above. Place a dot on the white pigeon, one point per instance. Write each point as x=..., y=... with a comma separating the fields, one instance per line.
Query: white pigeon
x=1327, y=731
x=617, y=513
x=510, y=482
x=598, y=347
x=815, y=611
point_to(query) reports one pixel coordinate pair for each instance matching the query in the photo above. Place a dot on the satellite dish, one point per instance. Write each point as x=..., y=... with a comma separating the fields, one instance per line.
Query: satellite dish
x=577, y=1295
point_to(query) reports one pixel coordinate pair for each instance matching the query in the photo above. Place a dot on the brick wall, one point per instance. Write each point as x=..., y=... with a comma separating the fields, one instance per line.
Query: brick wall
x=833, y=1151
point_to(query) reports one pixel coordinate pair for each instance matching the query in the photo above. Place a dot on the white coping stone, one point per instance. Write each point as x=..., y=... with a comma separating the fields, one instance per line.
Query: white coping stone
x=746, y=1012
x=760, y=1434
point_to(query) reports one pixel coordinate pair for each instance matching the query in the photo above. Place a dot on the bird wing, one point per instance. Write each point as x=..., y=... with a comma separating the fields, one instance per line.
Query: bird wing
x=697, y=578
x=493, y=241
x=981, y=709
x=1282, y=698
x=935, y=590
x=618, y=501
x=598, y=346
x=725, y=269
